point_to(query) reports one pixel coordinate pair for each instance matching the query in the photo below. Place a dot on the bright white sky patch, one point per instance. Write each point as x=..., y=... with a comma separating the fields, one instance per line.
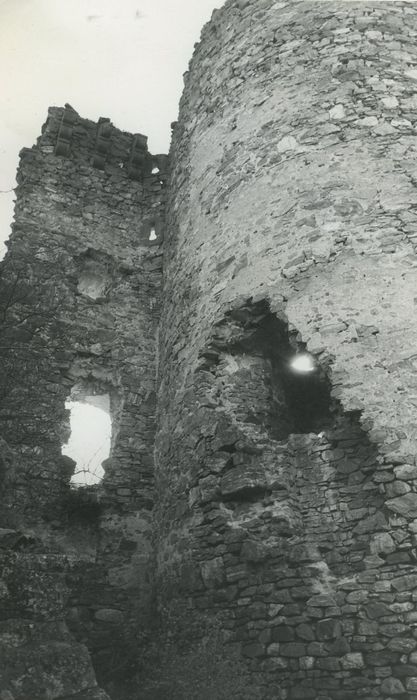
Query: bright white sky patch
x=303, y=363
x=89, y=444
x=107, y=58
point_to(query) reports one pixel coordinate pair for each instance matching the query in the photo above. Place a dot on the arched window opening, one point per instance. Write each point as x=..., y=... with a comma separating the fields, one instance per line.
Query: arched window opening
x=90, y=439
x=150, y=232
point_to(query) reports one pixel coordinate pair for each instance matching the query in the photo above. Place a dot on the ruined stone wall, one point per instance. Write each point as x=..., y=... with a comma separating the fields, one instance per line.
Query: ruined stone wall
x=83, y=274
x=291, y=226
x=82, y=223
x=286, y=504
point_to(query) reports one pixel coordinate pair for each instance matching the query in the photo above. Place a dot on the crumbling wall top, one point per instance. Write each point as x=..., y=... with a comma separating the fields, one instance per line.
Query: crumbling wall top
x=99, y=144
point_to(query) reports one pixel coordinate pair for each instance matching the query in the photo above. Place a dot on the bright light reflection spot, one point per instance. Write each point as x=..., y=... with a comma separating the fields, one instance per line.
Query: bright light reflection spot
x=89, y=443
x=303, y=363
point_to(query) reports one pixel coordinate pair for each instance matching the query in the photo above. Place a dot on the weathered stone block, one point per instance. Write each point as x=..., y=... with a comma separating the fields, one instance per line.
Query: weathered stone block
x=392, y=686
x=316, y=649
x=305, y=632
x=322, y=601
x=397, y=488
x=213, y=572
x=407, y=472
x=328, y=629
x=283, y=633
x=381, y=658
x=329, y=663
x=352, y=660
x=405, y=583
x=404, y=505
x=382, y=543
x=367, y=628
x=372, y=524
x=375, y=610
x=357, y=597
x=339, y=647
x=402, y=644
x=293, y=649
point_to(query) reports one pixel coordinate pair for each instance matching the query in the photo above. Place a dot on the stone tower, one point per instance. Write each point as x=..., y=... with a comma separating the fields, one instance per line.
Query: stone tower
x=272, y=510
x=287, y=503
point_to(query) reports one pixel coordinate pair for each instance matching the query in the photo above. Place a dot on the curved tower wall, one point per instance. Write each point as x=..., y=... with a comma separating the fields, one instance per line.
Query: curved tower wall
x=292, y=225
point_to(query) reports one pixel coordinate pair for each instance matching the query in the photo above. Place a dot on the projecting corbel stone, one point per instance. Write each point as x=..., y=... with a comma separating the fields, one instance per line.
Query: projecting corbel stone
x=63, y=144
x=140, y=162
x=103, y=143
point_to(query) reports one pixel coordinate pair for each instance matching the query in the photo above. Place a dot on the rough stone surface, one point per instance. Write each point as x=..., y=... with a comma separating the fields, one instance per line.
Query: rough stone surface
x=292, y=221
x=81, y=293
x=270, y=515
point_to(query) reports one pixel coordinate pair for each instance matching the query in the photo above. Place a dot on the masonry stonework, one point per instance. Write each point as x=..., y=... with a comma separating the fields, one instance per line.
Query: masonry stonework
x=87, y=201
x=271, y=510
x=291, y=219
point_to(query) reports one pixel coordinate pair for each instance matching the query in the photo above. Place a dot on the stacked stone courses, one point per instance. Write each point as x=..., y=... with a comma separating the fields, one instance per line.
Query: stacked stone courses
x=279, y=509
x=292, y=211
x=87, y=201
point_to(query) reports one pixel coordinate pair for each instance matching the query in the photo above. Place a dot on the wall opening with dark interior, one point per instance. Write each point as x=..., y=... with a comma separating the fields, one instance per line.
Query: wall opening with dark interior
x=267, y=384
x=89, y=443
x=287, y=388
x=300, y=385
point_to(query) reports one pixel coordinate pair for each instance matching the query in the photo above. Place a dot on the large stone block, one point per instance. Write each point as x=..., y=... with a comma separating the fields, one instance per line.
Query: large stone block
x=405, y=505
